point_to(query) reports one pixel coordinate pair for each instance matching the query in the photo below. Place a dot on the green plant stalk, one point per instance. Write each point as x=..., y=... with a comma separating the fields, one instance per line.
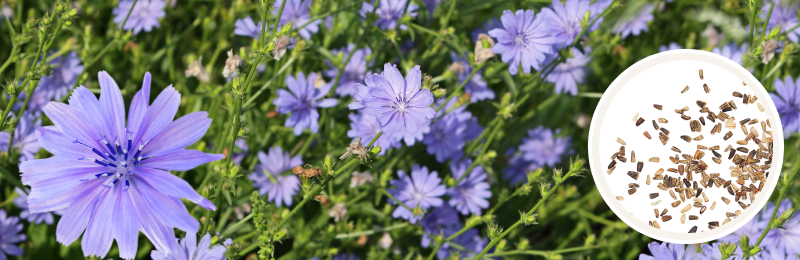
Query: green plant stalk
x=766, y=22
x=544, y=253
x=266, y=85
x=485, y=149
x=278, y=19
x=235, y=227
x=784, y=189
x=390, y=196
x=752, y=26
x=460, y=86
x=263, y=40
x=373, y=231
x=10, y=57
x=342, y=66
x=129, y=15
x=538, y=204
x=474, y=145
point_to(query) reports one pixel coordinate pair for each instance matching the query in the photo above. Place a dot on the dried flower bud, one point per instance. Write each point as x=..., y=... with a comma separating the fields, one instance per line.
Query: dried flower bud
x=196, y=70
x=386, y=241
x=319, y=81
x=357, y=149
x=457, y=67
x=483, y=48
x=231, y=64
x=281, y=44
x=768, y=51
x=360, y=178
x=338, y=212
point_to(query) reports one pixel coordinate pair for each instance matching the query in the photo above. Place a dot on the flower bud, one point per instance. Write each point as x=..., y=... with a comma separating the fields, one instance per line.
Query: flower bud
x=523, y=244
x=438, y=93
x=376, y=149
x=494, y=231
x=427, y=81
x=231, y=64
x=281, y=44
x=768, y=50
x=528, y=219
x=483, y=48
x=196, y=70
x=456, y=67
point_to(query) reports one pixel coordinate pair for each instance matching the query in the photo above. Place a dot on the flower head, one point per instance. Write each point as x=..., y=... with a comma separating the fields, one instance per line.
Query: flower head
x=470, y=195
x=302, y=101
x=565, y=20
x=440, y=220
x=54, y=87
x=543, y=148
x=296, y=12
x=268, y=177
x=518, y=169
x=354, y=71
x=667, y=251
x=399, y=104
x=787, y=101
x=189, y=249
x=422, y=189
x=634, y=23
x=569, y=74
x=449, y=135
x=367, y=127
x=671, y=46
x=9, y=235
x=113, y=179
x=246, y=27
x=524, y=40
x=732, y=52
x=476, y=87
x=24, y=137
x=784, y=14
x=36, y=218
x=144, y=16
x=389, y=13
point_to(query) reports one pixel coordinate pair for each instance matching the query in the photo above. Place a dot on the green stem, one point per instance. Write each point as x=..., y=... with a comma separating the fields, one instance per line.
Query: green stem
x=266, y=85
x=766, y=22
x=543, y=253
x=342, y=67
x=129, y=15
x=373, y=231
x=547, y=195
x=784, y=189
x=8, y=60
x=460, y=86
x=483, y=151
x=752, y=25
x=278, y=19
x=236, y=226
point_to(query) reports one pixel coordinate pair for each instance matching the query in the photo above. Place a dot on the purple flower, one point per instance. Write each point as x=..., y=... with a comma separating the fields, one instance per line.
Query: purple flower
x=634, y=24
x=421, y=189
x=354, y=72
x=471, y=194
x=732, y=52
x=24, y=137
x=389, y=12
x=440, y=220
x=189, y=249
x=268, y=176
x=103, y=170
x=518, y=169
x=9, y=235
x=784, y=14
x=302, y=102
x=399, y=104
x=471, y=241
x=449, y=134
x=787, y=101
x=489, y=25
x=367, y=127
x=476, y=87
x=525, y=40
x=346, y=256
x=565, y=20
x=144, y=16
x=569, y=74
x=5, y=11
x=296, y=12
x=54, y=87
x=667, y=251
x=671, y=46
x=36, y=218
x=543, y=148
x=246, y=27
x=431, y=5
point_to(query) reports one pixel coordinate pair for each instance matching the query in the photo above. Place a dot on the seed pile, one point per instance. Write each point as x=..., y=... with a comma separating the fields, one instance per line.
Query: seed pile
x=687, y=178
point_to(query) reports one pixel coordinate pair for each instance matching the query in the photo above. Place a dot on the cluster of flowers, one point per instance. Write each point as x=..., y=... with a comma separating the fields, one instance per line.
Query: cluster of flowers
x=109, y=166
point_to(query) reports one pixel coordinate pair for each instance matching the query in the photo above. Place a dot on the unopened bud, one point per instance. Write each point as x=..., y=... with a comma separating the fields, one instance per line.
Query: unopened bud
x=528, y=219
x=438, y=93
x=376, y=149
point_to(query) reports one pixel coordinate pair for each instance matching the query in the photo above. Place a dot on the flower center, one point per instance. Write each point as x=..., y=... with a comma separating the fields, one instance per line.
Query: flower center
x=519, y=39
x=116, y=158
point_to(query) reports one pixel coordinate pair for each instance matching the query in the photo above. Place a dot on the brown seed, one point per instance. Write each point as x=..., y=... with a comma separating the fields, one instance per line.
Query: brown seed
x=631, y=191
x=713, y=205
x=760, y=107
x=655, y=126
x=646, y=134
x=687, y=208
x=742, y=205
x=685, y=89
x=657, y=106
x=737, y=94
x=685, y=117
x=695, y=126
x=683, y=218
x=727, y=135
x=706, y=88
x=639, y=166
x=663, y=212
x=655, y=159
x=701, y=73
x=634, y=175
x=620, y=198
x=693, y=217
x=619, y=140
x=698, y=138
x=686, y=138
x=730, y=190
x=672, y=194
x=665, y=131
x=640, y=121
x=666, y=218
x=732, y=104
x=648, y=180
x=663, y=121
x=633, y=156
x=653, y=195
x=612, y=164
x=693, y=229
x=701, y=103
x=676, y=203
x=726, y=200
x=655, y=224
x=676, y=149
x=611, y=170
x=655, y=203
x=702, y=209
x=702, y=121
